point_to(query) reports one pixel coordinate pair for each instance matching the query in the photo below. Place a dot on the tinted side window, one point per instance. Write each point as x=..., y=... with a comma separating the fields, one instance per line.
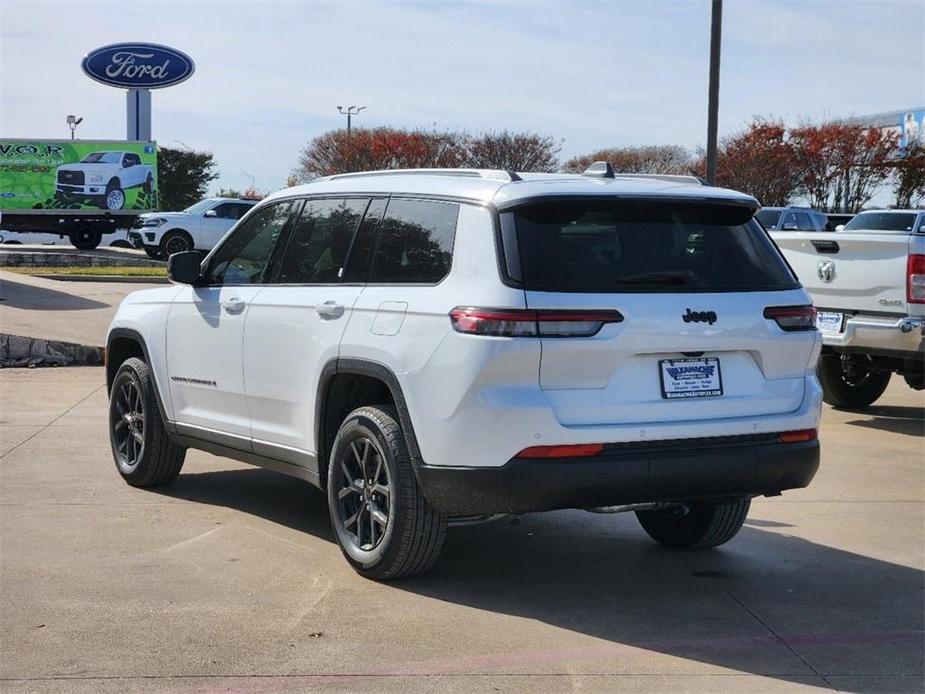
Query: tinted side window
x=320, y=240
x=804, y=223
x=415, y=241
x=245, y=254
x=227, y=210
x=231, y=210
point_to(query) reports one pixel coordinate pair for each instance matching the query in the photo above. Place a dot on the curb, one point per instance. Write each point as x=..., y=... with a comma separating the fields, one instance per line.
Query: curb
x=122, y=279
x=41, y=259
x=16, y=350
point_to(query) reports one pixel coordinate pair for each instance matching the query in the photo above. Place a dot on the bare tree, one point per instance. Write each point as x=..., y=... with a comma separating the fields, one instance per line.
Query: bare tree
x=512, y=151
x=650, y=159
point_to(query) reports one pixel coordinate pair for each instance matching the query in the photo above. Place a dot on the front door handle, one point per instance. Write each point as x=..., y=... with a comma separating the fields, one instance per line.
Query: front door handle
x=330, y=309
x=233, y=305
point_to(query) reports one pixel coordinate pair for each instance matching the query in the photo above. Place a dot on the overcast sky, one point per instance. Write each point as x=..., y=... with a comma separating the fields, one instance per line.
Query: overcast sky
x=269, y=75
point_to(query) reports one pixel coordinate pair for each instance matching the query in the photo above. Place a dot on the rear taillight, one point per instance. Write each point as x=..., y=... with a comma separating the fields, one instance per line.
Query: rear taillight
x=504, y=322
x=915, y=279
x=798, y=436
x=792, y=318
x=581, y=450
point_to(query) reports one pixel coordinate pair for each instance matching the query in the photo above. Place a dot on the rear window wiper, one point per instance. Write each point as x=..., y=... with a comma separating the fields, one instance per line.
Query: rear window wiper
x=657, y=278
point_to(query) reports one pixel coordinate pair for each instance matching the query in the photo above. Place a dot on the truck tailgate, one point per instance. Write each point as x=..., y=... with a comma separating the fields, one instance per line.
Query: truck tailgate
x=853, y=271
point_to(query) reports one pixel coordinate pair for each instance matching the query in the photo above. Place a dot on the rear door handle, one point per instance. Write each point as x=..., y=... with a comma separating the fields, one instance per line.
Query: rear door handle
x=330, y=309
x=233, y=305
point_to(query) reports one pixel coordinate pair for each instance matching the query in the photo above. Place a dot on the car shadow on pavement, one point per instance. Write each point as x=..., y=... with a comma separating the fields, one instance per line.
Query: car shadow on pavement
x=275, y=497
x=30, y=297
x=768, y=603
x=893, y=418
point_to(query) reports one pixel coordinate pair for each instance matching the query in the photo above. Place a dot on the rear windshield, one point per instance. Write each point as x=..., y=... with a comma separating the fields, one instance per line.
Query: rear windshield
x=882, y=221
x=645, y=246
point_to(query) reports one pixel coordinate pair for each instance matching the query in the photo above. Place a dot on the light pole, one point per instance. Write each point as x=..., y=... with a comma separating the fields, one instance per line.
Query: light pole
x=716, y=30
x=349, y=111
x=72, y=123
x=184, y=145
x=250, y=177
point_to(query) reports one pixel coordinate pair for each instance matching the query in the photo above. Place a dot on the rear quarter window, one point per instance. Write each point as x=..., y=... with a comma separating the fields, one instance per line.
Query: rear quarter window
x=645, y=246
x=414, y=242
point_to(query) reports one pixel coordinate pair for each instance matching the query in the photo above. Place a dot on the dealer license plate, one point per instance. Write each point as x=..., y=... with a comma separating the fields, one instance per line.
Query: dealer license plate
x=830, y=323
x=690, y=378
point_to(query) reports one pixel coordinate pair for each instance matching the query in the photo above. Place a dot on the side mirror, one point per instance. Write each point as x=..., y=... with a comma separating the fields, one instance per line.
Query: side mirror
x=789, y=226
x=185, y=267
x=840, y=227
x=210, y=213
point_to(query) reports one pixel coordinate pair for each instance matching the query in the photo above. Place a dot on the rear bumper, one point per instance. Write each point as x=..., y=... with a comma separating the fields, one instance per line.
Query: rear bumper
x=684, y=471
x=880, y=334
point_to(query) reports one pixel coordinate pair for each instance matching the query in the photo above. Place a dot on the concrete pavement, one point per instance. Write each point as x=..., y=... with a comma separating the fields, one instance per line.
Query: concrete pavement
x=76, y=311
x=229, y=579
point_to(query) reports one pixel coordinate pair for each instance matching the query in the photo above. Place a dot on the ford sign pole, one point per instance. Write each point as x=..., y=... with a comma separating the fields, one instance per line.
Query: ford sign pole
x=139, y=68
x=138, y=115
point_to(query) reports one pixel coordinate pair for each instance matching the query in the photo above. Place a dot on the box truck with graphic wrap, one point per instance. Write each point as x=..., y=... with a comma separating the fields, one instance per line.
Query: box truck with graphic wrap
x=76, y=188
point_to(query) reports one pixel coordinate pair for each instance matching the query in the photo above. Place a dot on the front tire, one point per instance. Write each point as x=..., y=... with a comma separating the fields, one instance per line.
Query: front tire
x=115, y=196
x=175, y=242
x=153, y=252
x=704, y=525
x=851, y=382
x=382, y=522
x=142, y=450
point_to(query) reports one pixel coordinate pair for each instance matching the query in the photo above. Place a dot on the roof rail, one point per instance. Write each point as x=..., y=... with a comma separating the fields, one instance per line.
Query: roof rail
x=674, y=178
x=497, y=174
x=603, y=169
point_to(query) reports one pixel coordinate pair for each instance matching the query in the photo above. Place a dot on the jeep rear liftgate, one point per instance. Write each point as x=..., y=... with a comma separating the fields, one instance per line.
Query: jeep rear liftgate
x=692, y=283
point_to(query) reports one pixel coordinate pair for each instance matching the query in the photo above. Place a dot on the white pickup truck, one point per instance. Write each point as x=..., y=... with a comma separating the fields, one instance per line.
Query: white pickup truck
x=104, y=177
x=867, y=281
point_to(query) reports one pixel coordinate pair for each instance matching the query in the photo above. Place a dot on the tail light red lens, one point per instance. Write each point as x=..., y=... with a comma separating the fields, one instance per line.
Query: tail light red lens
x=581, y=450
x=915, y=279
x=503, y=322
x=798, y=436
x=792, y=318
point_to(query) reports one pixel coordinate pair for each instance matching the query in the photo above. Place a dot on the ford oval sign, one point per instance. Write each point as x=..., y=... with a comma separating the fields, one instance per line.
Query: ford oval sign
x=138, y=65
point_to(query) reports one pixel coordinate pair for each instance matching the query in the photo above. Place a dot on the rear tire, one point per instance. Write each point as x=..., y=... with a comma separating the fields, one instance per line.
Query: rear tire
x=85, y=239
x=850, y=382
x=153, y=252
x=704, y=525
x=382, y=522
x=143, y=452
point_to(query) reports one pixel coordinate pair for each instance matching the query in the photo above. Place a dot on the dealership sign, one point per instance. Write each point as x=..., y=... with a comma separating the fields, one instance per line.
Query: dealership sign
x=138, y=65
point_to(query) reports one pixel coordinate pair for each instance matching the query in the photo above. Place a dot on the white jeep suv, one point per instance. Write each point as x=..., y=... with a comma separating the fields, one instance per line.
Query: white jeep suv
x=428, y=345
x=199, y=227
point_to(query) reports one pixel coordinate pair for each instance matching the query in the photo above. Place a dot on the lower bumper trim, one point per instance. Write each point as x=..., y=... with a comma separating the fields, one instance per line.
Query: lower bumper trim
x=623, y=476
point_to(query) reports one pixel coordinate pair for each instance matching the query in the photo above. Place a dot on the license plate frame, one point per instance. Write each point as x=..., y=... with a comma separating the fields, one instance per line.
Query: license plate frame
x=706, y=386
x=830, y=322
